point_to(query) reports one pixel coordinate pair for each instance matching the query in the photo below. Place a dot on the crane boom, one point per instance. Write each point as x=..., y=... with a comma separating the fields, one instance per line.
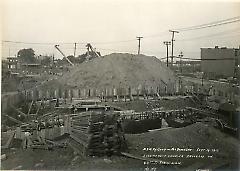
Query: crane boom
x=89, y=46
x=56, y=46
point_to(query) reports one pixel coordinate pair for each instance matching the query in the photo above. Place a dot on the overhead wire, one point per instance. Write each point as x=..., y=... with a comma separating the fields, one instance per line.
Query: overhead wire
x=202, y=26
x=235, y=30
x=39, y=43
x=212, y=24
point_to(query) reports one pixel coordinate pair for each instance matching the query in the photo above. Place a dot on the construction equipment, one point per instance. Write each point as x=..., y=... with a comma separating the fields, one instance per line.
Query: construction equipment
x=91, y=50
x=57, y=47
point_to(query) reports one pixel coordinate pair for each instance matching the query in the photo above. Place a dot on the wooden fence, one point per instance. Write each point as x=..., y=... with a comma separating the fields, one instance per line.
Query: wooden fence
x=109, y=92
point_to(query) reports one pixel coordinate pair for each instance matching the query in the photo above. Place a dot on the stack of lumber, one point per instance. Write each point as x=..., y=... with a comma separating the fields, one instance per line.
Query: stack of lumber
x=96, y=134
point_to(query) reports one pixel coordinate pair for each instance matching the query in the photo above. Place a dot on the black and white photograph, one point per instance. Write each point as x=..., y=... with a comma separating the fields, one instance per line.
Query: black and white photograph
x=125, y=85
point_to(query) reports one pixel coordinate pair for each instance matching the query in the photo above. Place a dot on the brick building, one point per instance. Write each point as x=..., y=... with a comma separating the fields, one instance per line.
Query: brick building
x=220, y=62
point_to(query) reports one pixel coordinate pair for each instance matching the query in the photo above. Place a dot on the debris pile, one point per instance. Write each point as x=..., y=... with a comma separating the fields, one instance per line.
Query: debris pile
x=96, y=134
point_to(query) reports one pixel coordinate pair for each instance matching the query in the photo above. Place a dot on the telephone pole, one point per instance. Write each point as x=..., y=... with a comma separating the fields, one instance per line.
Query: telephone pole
x=53, y=59
x=75, y=47
x=180, y=56
x=167, y=43
x=173, y=32
x=139, y=44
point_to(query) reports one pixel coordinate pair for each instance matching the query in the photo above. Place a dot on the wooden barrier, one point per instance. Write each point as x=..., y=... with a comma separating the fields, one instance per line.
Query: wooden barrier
x=108, y=93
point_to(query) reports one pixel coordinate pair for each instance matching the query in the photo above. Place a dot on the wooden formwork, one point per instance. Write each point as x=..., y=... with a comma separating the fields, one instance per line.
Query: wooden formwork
x=95, y=133
x=154, y=114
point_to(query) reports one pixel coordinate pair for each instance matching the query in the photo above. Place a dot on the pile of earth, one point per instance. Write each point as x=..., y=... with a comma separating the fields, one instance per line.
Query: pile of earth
x=223, y=148
x=116, y=70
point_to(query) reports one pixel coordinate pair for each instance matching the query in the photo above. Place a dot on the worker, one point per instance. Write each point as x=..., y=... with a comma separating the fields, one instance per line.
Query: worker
x=73, y=109
x=26, y=140
x=57, y=103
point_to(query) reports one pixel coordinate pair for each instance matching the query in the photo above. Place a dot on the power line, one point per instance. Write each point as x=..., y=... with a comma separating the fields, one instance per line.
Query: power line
x=213, y=35
x=115, y=42
x=39, y=43
x=53, y=43
x=160, y=34
x=212, y=24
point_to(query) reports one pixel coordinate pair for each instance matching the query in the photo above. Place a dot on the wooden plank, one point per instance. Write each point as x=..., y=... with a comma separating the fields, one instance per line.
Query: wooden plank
x=79, y=141
x=20, y=112
x=80, y=127
x=14, y=120
x=84, y=133
x=29, y=110
x=7, y=145
x=160, y=129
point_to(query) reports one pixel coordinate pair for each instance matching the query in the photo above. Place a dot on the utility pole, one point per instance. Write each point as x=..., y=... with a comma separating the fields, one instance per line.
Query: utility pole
x=180, y=56
x=53, y=58
x=75, y=47
x=167, y=43
x=173, y=32
x=139, y=44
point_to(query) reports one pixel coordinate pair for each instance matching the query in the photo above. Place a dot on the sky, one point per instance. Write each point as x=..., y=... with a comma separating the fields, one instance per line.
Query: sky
x=112, y=25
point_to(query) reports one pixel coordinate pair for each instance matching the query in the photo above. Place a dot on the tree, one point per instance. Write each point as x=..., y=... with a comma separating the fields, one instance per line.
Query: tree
x=26, y=55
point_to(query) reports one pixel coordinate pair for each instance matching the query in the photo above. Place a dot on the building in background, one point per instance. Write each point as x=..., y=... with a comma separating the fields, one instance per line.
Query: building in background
x=220, y=62
x=12, y=63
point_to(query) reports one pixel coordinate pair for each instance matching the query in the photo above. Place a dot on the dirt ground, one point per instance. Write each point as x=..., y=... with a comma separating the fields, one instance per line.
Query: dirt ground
x=223, y=150
x=36, y=159
x=63, y=159
x=164, y=104
x=194, y=136
x=223, y=147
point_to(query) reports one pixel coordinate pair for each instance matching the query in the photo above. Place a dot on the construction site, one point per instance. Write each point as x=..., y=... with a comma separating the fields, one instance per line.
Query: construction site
x=103, y=112
x=121, y=111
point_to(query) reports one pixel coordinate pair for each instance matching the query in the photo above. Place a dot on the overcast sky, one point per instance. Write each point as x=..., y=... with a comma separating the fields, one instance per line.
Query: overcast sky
x=105, y=22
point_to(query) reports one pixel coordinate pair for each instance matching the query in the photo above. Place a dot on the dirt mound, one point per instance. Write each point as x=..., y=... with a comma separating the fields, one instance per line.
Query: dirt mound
x=193, y=137
x=118, y=70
